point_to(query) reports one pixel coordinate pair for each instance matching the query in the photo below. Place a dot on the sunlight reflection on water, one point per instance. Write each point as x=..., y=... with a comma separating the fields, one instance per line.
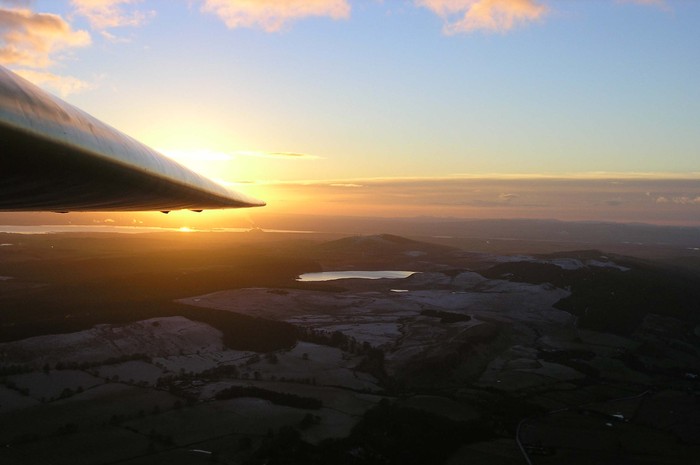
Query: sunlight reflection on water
x=47, y=229
x=332, y=275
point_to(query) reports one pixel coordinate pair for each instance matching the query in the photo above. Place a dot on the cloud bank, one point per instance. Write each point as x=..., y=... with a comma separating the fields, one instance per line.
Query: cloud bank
x=273, y=15
x=62, y=85
x=618, y=198
x=463, y=16
x=283, y=155
x=39, y=40
x=106, y=14
x=30, y=39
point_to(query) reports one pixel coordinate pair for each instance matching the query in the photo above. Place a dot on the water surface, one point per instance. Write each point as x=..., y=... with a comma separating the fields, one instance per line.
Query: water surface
x=70, y=228
x=333, y=275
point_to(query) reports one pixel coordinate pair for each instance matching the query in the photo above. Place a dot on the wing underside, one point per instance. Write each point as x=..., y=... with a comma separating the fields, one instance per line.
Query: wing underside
x=55, y=157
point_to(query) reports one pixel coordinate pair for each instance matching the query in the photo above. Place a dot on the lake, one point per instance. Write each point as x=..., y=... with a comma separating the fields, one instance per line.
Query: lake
x=332, y=275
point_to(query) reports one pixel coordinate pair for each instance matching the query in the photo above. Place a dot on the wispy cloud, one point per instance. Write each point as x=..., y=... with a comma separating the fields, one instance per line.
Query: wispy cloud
x=285, y=155
x=62, y=85
x=680, y=200
x=668, y=199
x=30, y=39
x=464, y=16
x=273, y=15
x=106, y=14
x=345, y=184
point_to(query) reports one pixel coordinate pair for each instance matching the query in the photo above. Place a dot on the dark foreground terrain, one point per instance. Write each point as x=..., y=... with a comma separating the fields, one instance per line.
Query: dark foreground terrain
x=204, y=348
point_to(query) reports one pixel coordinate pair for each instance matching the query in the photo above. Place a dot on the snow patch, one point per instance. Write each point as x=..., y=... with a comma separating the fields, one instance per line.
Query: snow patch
x=153, y=337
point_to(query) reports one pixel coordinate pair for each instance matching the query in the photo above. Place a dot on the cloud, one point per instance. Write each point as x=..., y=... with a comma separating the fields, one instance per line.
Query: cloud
x=106, y=14
x=114, y=38
x=684, y=200
x=546, y=197
x=679, y=200
x=305, y=156
x=285, y=155
x=463, y=16
x=273, y=15
x=62, y=85
x=29, y=39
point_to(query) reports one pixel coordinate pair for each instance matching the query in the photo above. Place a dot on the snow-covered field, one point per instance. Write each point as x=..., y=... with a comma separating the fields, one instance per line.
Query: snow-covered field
x=144, y=366
x=153, y=338
x=53, y=384
x=393, y=320
x=563, y=263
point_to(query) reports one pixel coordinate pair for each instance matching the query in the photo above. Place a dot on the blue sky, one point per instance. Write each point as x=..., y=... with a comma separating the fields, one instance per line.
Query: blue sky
x=352, y=90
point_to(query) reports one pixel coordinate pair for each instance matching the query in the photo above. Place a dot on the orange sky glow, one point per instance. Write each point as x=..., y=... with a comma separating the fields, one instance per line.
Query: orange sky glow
x=387, y=109
x=659, y=199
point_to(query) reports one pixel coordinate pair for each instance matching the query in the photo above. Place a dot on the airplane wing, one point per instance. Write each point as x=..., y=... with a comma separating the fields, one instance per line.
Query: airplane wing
x=56, y=157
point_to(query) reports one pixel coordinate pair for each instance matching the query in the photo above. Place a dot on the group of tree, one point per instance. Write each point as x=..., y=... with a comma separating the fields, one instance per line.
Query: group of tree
x=278, y=398
x=388, y=434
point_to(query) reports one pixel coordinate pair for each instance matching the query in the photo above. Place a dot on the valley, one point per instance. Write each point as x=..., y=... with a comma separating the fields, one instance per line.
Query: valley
x=151, y=348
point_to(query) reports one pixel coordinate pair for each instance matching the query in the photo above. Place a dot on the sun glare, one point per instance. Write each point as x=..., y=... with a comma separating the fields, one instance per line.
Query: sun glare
x=185, y=229
x=207, y=162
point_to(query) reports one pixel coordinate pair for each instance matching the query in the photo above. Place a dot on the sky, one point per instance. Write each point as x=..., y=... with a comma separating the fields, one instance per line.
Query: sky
x=567, y=109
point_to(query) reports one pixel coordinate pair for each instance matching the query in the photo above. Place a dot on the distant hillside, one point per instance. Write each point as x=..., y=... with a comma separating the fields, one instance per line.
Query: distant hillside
x=379, y=251
x=384, y=244
x=610, y=293
x=583, y=232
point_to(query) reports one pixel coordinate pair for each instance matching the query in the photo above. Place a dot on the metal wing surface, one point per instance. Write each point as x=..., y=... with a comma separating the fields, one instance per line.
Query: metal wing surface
x=56, y=157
